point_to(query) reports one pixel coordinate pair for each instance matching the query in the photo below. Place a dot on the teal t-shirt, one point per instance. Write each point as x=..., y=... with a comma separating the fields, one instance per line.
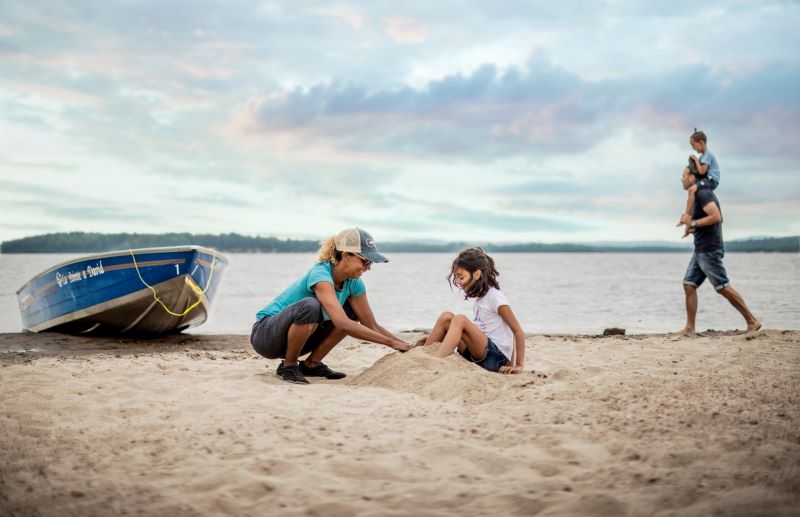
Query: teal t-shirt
x=302, y=288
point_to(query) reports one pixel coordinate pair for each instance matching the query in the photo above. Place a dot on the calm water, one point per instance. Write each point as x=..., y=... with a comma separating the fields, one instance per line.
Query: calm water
x=571, y=292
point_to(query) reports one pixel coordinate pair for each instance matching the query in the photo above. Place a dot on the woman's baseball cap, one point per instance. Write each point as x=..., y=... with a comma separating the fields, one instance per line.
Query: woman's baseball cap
x=356, y=240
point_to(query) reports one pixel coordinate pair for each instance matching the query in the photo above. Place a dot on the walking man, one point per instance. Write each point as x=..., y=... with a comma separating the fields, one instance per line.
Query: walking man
x=706, y=223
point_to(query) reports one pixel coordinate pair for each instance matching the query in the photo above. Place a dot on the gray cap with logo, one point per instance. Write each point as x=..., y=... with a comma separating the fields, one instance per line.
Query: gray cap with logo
x=356, y=240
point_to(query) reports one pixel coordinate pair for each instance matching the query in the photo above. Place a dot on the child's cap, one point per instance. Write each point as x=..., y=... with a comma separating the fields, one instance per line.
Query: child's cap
x=356, y=240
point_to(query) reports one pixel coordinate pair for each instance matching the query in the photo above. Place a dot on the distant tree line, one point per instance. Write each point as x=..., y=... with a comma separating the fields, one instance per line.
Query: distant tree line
x=82, y=242
x=777, y=244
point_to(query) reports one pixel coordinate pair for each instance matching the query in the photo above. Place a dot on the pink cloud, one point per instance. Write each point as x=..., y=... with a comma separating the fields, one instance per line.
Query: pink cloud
x=405, y=30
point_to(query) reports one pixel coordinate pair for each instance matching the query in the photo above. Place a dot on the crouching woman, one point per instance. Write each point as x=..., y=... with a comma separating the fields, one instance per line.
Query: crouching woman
x=317, y=311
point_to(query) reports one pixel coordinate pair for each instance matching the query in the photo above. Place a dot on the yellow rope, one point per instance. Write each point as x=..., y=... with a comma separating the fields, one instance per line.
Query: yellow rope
x=196, y=288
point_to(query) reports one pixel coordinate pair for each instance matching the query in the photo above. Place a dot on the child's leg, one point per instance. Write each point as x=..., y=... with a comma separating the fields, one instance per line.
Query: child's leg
x=440, y=328
x=463, y=333
x=689, y=205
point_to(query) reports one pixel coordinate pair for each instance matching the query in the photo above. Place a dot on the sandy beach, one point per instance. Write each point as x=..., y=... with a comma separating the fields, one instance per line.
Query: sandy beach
x=200, y=425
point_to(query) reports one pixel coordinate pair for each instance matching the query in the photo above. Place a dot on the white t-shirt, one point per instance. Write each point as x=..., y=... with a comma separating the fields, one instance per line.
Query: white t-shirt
x=491, y=323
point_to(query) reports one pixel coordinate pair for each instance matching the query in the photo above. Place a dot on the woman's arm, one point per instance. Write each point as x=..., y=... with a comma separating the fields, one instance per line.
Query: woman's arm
x=327, y=297
x=517, y=362
x=360, y=305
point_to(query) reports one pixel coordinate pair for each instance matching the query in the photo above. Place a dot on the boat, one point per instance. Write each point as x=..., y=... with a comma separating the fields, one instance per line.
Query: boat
x=139, y=291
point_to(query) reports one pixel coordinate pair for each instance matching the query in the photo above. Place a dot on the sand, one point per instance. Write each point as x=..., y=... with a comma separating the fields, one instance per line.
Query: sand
x=200, y=425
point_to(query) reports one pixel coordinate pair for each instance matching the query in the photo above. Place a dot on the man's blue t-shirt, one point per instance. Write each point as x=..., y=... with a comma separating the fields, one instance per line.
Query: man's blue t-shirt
x=302, y=288
x=713, y=167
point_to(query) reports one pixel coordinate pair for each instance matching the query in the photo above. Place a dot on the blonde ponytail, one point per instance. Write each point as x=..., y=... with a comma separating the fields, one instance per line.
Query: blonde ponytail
x=327, y=251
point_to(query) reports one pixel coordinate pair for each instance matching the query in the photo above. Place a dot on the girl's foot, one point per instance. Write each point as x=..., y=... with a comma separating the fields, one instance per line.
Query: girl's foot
x=686, y=332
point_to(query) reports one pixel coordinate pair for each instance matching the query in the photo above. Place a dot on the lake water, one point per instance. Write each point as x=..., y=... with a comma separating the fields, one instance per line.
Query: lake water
x=550, y=293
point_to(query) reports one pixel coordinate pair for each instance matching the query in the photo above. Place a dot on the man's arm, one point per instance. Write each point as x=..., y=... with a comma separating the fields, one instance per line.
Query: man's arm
x=712, y=215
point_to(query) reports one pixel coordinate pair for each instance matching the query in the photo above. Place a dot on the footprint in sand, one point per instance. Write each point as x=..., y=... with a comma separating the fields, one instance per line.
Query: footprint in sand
x=594, y=504
x=562, y=375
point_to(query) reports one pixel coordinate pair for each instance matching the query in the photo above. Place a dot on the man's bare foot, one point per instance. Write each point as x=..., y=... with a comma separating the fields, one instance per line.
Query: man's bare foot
x=686, y=332
x=754, y=327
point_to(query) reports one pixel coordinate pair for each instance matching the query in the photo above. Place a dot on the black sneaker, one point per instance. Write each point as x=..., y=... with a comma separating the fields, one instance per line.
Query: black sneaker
x=291, y=373
x=321, y=370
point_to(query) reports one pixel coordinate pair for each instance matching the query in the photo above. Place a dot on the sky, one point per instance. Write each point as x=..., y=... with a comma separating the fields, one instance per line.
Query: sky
x=504, y=121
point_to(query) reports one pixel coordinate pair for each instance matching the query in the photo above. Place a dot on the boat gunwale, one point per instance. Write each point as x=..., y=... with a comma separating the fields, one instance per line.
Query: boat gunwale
x=137, y=251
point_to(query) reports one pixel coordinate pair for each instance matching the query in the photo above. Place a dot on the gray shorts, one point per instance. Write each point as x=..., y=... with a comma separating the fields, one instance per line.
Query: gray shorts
x=270, y=333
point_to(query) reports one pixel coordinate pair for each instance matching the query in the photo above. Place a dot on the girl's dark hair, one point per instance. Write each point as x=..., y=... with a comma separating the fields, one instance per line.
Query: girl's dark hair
x=698, y=136
x=471, y=260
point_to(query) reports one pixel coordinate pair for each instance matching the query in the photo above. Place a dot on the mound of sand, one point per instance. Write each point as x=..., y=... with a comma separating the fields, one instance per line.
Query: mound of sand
x=421, y=372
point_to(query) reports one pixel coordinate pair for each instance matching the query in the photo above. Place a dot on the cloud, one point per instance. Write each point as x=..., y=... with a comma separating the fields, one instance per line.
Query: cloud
x=348, y=15
x=405, y=30
x=538, y=107
x=514, y=119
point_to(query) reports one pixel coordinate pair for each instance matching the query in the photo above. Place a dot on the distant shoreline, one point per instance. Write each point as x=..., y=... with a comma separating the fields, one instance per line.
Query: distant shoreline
x=82, y=242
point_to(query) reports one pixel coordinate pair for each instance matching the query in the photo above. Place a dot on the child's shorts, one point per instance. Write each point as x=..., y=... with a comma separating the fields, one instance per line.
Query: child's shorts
x=707, y=183
x=492, y=361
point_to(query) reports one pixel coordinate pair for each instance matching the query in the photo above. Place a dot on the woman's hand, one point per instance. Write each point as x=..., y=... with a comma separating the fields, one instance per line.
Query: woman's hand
x=401, y=346
x=510, y=369
x=421, y=341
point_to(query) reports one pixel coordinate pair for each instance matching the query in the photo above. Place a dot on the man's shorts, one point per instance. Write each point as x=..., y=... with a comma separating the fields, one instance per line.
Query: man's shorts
x=707, y=265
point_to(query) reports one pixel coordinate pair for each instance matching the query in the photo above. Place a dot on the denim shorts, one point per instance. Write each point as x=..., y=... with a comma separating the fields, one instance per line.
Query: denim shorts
x=706, y=183
x=707, y=264
x=492, y=361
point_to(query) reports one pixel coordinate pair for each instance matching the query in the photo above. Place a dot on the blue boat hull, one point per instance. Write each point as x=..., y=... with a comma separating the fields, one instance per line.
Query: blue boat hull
x=144, y=291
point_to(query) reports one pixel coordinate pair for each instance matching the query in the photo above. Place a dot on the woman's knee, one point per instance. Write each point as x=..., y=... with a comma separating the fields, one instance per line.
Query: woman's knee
x=309, y=311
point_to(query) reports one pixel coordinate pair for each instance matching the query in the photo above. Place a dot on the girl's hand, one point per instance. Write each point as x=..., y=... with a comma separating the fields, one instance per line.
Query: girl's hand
x=510, y=369
x=421, y=341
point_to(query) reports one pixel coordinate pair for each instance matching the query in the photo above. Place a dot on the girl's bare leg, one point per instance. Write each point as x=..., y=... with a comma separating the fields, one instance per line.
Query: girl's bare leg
x=440, y=328
x=464, y=334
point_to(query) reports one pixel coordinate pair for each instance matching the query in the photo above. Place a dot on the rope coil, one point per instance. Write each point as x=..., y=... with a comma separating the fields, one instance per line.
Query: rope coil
x=196, y=288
